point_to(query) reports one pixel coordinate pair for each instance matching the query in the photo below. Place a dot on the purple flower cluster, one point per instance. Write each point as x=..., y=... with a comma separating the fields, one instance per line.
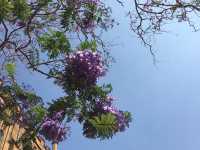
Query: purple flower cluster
x=121, y=120
x=20, y=24
x=53, y=130
x=106, y=107
x=84, y=68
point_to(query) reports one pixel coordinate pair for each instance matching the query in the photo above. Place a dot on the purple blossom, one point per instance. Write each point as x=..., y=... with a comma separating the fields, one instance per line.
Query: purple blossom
x=106, y=107
x=58, y=115
x=20, y=24
x=83, y=69
x=52, y=128
x=121, y=119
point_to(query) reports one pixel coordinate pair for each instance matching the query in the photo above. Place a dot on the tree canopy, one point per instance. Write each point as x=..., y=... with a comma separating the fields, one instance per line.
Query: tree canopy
x=61, y=39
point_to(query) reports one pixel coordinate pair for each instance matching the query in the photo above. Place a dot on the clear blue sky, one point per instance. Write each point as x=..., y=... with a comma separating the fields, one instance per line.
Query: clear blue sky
x=164, y=99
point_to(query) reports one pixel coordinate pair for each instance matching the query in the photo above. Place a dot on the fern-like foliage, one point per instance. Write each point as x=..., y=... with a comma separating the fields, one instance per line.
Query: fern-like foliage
x=103, y=126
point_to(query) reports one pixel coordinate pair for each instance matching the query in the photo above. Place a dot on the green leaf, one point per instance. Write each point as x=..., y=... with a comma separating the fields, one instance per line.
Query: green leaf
x=39, y=113
x=55, y=43
x=10, y=68
x=105, y=125
x=68, y=18
x=89, y=45
x=5, y=8
x=21, y=9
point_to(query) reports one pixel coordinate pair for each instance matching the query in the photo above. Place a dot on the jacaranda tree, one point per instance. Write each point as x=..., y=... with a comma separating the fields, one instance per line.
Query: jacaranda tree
x=61, y=40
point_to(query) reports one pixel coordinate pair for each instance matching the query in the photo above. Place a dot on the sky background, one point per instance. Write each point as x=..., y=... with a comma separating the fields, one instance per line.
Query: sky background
x=163, y=99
